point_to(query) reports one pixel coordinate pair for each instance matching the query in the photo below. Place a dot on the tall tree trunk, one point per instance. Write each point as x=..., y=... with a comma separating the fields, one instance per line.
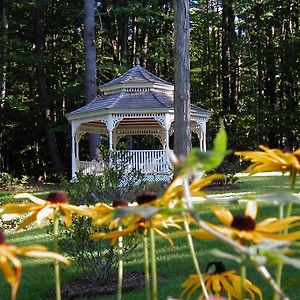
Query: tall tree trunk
x=123, y=35
x=258, y=8
x=90, y=66
x=42, y=86
x=271, y=86
x=226, y=55
x=3, y=67
x=182, y=133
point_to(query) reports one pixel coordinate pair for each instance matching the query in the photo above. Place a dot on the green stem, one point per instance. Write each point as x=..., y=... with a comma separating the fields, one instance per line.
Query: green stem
x=146, y=266
x=278, y=275
x=288, y=213
x=190, y=239
x=292, y=189
x=243, y=278
x=153, y=263
x=120, y=266
x=56, y=262
x=194, y=258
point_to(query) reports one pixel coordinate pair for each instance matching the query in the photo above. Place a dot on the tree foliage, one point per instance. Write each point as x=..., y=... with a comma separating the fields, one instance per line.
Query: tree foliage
x=244, y=67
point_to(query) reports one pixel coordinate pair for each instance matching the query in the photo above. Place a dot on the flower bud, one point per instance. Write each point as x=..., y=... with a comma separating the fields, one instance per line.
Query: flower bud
x=119, y=203
x=146, y=197
x=57, y=197
x=2, y=238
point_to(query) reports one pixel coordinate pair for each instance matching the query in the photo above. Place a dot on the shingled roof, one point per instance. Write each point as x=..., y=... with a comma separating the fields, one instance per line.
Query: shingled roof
x=136, y=75
x=146, y=100
x=136, y=90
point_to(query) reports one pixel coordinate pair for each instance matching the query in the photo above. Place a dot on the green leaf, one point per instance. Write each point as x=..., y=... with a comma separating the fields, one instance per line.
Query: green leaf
x=220, y=142
x=208, y=160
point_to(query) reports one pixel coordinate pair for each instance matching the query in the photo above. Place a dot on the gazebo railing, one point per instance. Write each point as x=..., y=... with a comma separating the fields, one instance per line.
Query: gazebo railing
x=154, y=162
x=149, y=161
x=89, y=167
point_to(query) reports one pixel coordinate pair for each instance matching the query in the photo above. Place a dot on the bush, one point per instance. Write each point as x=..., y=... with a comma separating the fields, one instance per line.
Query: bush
x=8, y=181
x=97, y=259
x=229, y=167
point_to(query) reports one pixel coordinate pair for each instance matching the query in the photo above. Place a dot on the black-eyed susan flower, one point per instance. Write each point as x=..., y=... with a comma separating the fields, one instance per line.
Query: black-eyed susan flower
x=11, y=265
x=140, y=225
x=42, y=209
x=271, y=160
x=243, y=227
x=174, y=192
x=220, y=282
x=134, y=219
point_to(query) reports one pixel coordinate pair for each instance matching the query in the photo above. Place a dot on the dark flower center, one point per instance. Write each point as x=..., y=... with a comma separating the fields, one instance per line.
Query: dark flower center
x=2, y=239
x=57, y=197
x=215, y=267
x=243, y=222
x=119, y=203
x=146, y=197
x=298, y=157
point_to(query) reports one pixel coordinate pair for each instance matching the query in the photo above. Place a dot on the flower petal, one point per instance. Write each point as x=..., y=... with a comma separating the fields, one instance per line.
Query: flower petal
x=216, y=286
x=45, y=254
x=28, y=221
x=31, y=197
x=223, y=214
x=251, y=209
x=277, y=225
x=43, y=214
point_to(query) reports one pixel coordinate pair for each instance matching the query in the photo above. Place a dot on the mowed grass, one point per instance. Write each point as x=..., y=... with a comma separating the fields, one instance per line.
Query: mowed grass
x=174, y=264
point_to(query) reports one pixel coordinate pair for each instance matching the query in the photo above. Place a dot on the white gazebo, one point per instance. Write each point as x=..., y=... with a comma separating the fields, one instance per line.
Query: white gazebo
x=136, y=103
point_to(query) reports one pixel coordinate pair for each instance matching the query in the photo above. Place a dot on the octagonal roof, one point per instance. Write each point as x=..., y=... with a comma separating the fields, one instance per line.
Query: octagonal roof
x=135, y=91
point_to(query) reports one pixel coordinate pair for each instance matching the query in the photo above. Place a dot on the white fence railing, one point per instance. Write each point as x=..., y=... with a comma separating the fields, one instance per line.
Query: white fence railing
x=90, y=167
x=147, y=161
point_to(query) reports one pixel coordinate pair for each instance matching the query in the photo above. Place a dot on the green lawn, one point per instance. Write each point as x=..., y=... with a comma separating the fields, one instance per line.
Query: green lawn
x=173, y=263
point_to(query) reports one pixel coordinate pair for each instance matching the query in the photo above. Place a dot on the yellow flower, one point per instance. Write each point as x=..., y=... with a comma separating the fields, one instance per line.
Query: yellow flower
x=134, y=219
x=42, y=209
x=175, y=190
x=105, y=214
x=271, y=160
x=140, y=225
x=244, y=228
x=220, y=282
x=11, y=265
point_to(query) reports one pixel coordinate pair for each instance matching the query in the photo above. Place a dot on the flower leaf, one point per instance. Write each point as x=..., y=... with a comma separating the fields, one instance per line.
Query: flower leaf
x=209, y=160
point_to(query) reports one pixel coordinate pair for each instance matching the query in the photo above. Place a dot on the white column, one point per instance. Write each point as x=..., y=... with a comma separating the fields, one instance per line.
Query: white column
x=77, y=148
x=110, y=138
x=73, y=156
x=167, y=139
x=167, y=126
x=110, y=128
x=204, y=141
x=200, y=137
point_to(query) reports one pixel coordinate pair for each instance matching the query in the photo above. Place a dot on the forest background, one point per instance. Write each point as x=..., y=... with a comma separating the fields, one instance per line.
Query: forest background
x=245, y=67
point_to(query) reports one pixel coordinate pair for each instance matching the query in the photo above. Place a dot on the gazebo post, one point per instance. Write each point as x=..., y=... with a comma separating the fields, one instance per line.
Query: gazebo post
x=110, y=128
x=204, y=136
x=73, y=151
x=204, y=141
x=167, y=139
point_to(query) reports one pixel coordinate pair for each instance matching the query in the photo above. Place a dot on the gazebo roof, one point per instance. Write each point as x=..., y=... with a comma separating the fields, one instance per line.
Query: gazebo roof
x=136, y=76
x=135, y=91
x=144, y=100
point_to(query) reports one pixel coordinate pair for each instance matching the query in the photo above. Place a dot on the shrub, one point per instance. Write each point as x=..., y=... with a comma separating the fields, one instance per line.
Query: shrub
x=97, y=259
